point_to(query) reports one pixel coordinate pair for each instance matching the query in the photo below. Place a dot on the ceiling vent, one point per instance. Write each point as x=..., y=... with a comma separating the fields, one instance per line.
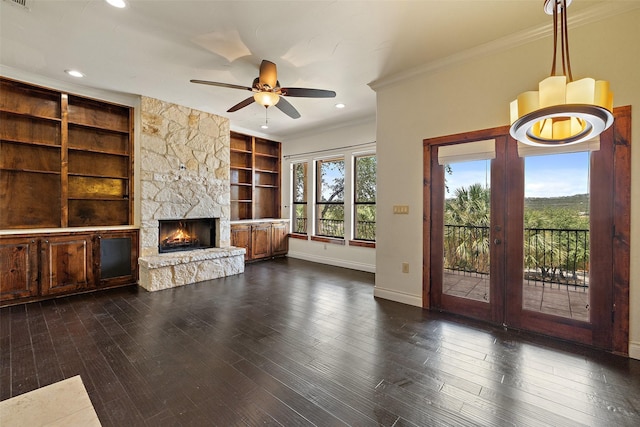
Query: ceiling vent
x=25, y=4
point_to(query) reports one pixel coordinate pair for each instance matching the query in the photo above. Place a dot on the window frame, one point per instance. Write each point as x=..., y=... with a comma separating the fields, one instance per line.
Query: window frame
x=318, y=202
x=356, y=240
x=304, y=203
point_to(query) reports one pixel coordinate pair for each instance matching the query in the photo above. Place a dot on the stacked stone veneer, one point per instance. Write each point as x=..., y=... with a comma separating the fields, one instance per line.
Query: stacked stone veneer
x=184, y=173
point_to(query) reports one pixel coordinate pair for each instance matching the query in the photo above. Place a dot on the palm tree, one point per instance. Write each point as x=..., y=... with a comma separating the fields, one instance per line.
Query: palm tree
x=467, y=216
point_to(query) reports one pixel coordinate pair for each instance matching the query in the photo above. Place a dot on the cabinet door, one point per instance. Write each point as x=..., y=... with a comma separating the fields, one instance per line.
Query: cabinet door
x=18, y=268
x=66, y=264
x=280, y=238
x=116, y=257
x=261, y=240
x=241, y=238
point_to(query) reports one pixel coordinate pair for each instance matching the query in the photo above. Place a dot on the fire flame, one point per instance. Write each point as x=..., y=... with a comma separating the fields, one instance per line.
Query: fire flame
x=178, y=236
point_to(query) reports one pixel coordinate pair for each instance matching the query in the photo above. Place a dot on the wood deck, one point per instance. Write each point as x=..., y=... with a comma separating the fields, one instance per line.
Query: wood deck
x=561, y=300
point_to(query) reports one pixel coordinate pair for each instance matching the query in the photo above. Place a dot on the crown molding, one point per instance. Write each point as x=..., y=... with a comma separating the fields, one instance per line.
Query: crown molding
x=594, y=14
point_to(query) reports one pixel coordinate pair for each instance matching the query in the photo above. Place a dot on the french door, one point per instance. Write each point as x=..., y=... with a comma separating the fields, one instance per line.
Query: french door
x=559, y=277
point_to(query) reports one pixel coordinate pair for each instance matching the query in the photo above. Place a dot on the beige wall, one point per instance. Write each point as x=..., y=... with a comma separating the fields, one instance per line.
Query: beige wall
x=474, y=94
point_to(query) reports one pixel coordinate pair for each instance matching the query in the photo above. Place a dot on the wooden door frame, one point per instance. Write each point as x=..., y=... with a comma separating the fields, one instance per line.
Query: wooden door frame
x=618, y=212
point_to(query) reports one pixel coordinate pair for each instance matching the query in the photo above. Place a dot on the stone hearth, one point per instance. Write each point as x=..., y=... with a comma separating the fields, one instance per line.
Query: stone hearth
x=184, y=173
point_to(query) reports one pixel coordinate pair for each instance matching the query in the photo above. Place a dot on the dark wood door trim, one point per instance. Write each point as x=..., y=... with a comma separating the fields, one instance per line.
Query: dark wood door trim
x=614, y=173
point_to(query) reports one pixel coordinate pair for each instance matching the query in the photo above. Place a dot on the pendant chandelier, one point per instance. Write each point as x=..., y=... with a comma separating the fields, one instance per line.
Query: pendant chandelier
x=561, y=111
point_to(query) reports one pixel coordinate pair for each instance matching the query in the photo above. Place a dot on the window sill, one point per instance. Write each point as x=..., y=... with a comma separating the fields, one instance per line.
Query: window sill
x=298, y=236
x=362, y=243
x=331, y=240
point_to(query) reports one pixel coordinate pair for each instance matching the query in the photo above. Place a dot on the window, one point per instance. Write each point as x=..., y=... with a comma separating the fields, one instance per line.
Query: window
x=330, y=198
x=299, y=191
x=364, y=182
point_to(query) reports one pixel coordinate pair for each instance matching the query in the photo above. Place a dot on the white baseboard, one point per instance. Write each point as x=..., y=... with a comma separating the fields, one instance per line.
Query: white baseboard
x=634, y=350
x=333, y=261
x=402, y=297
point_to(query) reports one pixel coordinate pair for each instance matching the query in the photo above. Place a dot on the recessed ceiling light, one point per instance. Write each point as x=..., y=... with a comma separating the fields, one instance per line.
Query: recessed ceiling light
x=117, y=3
x=74, y=73
x=340, y=105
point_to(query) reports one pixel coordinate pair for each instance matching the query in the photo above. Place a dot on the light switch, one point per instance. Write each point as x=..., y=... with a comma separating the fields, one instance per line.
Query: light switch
x=401, y=209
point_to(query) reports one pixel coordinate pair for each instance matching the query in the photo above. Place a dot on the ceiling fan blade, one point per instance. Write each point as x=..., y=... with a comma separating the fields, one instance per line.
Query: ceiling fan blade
x=242, y=104
x=227, y=85
x=302, y=92
x=268, y=73
x=287, y=108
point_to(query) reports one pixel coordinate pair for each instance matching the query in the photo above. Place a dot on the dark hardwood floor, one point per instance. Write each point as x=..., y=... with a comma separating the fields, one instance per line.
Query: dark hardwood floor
x=291, y=342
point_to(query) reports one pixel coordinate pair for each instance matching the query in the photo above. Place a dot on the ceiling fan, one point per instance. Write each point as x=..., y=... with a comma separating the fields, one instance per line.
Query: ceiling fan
x=267, y=91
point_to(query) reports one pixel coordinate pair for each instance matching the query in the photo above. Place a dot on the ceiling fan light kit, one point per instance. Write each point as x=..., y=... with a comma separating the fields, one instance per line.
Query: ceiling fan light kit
x=561, y=111
x=267, y=91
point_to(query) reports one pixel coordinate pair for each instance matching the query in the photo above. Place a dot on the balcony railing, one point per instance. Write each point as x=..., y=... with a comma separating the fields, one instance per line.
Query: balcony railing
x=330, y=228
x=554, y=256
x=300, y=225
x=365, y=230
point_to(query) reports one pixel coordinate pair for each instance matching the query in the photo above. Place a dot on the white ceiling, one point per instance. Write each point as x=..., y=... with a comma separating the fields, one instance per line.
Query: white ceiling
x=154, y=47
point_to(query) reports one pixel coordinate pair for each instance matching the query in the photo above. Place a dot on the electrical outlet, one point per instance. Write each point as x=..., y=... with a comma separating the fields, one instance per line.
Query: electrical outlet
x=405, y=267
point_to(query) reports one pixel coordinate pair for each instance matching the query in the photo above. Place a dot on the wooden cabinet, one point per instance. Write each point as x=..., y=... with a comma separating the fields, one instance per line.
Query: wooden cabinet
x=116, y=258
x=241, y=238
x=254, y=177
x=261, y=239
x=18, y=268
x=38, y=266
x=66, y=264
x=65, y=160
x=280, y=238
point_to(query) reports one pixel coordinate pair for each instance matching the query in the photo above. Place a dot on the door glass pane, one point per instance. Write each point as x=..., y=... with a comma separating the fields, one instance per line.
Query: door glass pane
x=556, y=235
x=466, y=230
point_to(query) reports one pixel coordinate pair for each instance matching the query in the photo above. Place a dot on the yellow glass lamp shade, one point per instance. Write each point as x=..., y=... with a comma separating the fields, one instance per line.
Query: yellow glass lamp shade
x=266, y=99
x=562, y=113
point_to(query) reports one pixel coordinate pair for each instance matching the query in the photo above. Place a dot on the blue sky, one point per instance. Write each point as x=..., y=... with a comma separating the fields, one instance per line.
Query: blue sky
x=545, y=176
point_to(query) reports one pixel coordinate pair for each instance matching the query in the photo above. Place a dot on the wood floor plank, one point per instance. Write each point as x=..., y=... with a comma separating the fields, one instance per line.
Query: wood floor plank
x=291, y=342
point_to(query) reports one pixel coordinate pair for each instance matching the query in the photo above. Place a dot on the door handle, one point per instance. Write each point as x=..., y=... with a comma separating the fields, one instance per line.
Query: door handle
x=497, y=241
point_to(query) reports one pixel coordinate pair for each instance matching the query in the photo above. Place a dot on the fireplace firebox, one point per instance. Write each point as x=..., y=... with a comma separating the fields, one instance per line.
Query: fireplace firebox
x=186, y=234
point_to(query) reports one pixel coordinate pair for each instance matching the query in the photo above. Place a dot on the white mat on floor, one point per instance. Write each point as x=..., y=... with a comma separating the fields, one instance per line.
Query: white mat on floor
x=65, y=403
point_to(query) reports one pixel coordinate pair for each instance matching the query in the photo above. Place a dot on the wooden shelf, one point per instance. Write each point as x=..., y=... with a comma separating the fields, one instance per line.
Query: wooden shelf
x=247, y=184
x=267, y=155
x=267, y=186
x=28, y=100
x=98, y=127
x=38, y=144
x=99, y=115
x=245, y=168
x=105, y=199
x=266, y=171
x=236, y=150
x=31, y=116
x=31, y=171
x=89, y=175
x=88, y=150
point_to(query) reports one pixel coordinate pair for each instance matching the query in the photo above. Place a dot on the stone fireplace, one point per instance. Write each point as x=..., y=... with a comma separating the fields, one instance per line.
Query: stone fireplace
x=184, y=175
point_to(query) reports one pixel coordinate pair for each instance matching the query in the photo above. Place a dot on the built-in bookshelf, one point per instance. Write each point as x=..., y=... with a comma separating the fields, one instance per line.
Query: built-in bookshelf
x=66, y=160
x=254, y=177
